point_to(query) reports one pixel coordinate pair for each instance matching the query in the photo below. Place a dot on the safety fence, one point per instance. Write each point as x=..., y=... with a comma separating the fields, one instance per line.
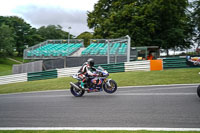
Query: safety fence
x=175, y=62
x=42, y=75
x=146, y=65
x=113, y=68
x=137, y=65
x=66, y=72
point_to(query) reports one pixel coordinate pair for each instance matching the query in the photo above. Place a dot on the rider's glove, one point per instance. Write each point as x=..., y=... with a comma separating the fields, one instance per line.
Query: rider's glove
x=95, y=75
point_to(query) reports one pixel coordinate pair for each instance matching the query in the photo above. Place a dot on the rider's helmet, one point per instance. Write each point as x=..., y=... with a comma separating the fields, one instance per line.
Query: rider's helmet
x=90, y=62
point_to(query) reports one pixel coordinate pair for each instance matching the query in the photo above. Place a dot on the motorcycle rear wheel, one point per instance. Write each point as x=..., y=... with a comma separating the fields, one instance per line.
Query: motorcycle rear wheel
x=112, y=88
x=76, y=92
x=198, y=91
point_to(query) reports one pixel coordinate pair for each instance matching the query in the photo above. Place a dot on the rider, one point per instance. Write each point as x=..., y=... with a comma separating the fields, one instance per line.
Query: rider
x=86, y=71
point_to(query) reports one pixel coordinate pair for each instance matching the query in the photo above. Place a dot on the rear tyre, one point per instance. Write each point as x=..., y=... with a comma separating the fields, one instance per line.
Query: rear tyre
x=77, y=92
x=112, y=88
x=198, y=91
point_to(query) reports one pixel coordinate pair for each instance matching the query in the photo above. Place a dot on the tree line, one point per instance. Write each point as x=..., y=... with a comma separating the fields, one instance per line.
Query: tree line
x=16, y=35
x=169, y=24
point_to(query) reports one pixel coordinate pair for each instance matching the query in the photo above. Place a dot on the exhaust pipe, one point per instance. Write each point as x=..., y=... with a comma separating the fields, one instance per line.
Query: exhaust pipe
x=75, y=86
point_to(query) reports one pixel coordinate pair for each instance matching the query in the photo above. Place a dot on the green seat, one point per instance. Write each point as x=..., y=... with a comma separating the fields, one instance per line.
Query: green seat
x=50, y=49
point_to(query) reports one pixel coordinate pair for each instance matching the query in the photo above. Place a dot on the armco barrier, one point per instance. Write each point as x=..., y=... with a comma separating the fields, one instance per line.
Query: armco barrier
x=42, y=75
x=113, y=68
x=137, y=65
x=66, y=72
x=174, y=62
x=15, y=78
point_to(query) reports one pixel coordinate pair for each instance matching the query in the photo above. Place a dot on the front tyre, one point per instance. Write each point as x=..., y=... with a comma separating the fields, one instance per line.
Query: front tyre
x=112, y=88
x=198, y=91
x=77, y=92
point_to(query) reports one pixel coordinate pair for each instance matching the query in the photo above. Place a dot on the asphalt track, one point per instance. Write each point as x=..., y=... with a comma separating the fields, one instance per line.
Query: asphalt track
x=174, y=106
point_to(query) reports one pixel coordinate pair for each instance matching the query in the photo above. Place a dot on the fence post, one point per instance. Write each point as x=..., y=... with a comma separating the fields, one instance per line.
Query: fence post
x=128, y=48
x=108, y=53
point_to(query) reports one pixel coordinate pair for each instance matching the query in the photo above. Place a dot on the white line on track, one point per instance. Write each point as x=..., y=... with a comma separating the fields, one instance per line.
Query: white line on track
x=156, y=94
x=171, y=88
x=101, y=128
x=170, y=85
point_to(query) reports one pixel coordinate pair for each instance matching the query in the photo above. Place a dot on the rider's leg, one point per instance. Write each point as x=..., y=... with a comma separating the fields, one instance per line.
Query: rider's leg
x=82, y=77
x=83, y=83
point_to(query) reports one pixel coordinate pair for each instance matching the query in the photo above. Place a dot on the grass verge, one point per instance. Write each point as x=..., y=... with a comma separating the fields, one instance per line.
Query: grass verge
x=172, y=76
x=6, y=66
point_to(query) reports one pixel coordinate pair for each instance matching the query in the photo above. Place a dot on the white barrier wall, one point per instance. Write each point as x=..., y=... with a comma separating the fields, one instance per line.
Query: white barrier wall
x=137, y=66
x=66, y=72
x=129, y=66
x=15, y=78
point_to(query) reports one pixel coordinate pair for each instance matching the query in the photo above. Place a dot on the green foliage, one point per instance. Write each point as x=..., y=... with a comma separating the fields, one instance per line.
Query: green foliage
x=21, y=30
x=6, y=40
x=196, y=20
x=157, y=22
x=6, y=66
x=33, y=38
x=16, y=33
x=53, y=32
x=20, y=33
x=86, y=36
x=165, y=23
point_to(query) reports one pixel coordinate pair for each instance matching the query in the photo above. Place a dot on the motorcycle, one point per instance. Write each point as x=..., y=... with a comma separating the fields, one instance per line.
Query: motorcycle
x=94, y=84
x=198, y=89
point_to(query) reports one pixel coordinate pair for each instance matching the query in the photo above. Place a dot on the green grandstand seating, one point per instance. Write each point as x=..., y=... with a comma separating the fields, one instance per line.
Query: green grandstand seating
x=101, y=49
x=88, y=49
x=94, y=49
x=104, y=50
x=55, y=50
x=122, y=49
x=114, y=49
x=97, y=49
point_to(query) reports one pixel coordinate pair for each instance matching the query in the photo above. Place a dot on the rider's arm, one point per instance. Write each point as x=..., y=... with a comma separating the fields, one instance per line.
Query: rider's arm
x=89, y=72
x=94, y=69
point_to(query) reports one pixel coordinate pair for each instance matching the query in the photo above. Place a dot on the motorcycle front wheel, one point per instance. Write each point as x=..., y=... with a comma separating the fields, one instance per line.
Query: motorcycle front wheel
x=198, y=91
x=77, y=92
x=110, y=89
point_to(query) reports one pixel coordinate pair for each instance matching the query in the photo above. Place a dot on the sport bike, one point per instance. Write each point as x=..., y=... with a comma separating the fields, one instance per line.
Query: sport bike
x=94, y=84
x=198, y=89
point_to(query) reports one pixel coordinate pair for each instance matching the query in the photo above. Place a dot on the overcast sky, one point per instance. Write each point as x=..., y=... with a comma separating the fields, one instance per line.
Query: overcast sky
x=38, y=13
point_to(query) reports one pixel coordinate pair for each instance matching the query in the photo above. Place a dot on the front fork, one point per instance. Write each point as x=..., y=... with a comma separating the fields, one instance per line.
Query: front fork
x=107, y=81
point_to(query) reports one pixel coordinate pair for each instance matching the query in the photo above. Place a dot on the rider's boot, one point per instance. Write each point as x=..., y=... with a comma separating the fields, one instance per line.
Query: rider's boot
x=82, y=84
